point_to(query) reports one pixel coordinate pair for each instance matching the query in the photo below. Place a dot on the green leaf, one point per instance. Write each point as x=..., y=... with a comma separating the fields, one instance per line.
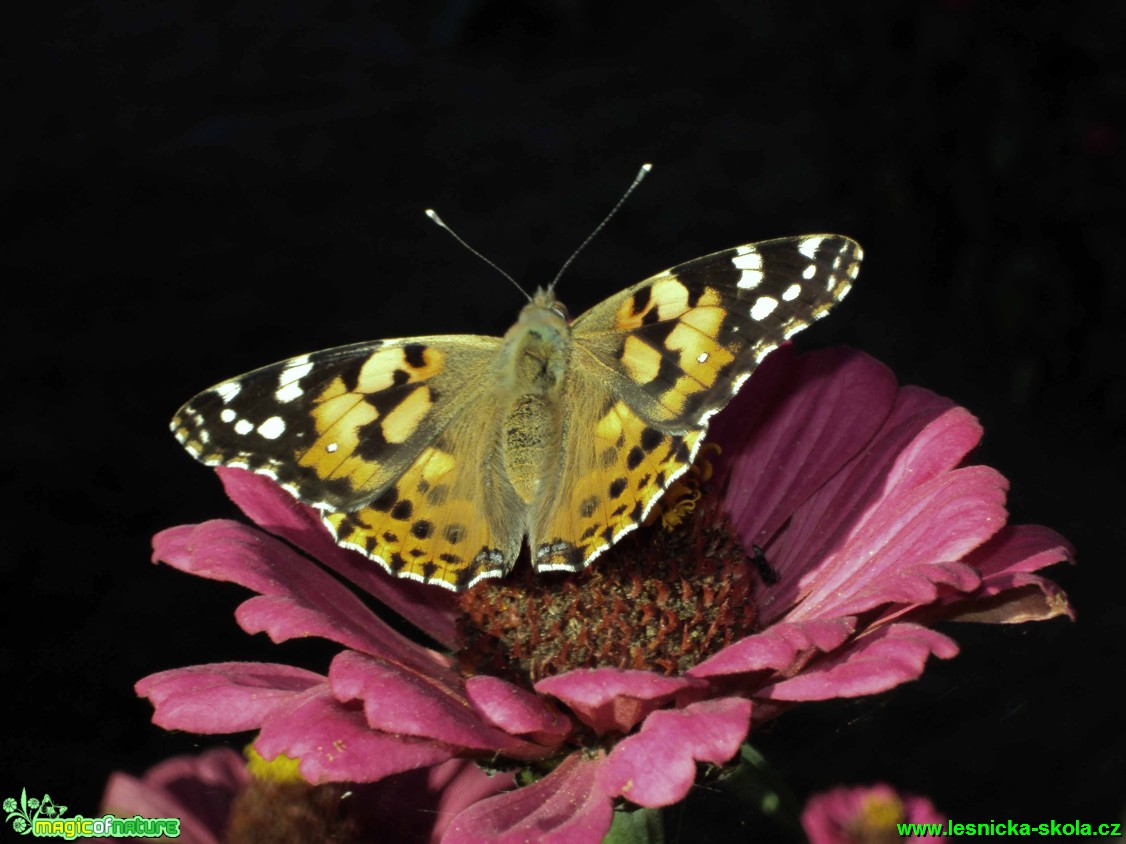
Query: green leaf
x=641, y=826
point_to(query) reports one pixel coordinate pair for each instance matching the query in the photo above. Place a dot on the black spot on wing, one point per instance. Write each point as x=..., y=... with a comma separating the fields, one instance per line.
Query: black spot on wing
x=348, y=370
x=371, y=445
x=386, y=500
x=587, y=508
x=634, y=458
x=650, y=439
x=641, y=298
x=464, y=576
x=413, y=353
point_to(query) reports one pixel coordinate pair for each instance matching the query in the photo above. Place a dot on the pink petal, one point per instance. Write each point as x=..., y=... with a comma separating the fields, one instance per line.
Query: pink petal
x=780, y=648
x=205, y=785
x=613, y=698
x=411, y=704
x=298, y=597
x=876, y=662
x=335, y=743
x=657, y=765
x=197, y=789
x=418, y=805
x=430, y=608
x=1021, y=548
x=820, y=525
x=890, y=551
x=834, y=403
x=516, y=711
x=126, y=796
x=224, y=697
x=568, y=806
x=1010, y=593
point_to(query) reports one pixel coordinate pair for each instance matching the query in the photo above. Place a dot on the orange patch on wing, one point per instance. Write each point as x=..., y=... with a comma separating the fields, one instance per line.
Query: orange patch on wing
x=419, y=529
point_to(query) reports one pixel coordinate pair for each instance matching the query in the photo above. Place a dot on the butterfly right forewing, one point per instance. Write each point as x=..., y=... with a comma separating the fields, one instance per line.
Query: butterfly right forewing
x=679, y=345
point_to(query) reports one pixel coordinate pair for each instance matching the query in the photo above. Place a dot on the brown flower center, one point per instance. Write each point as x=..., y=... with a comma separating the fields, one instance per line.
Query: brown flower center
x=662, y=599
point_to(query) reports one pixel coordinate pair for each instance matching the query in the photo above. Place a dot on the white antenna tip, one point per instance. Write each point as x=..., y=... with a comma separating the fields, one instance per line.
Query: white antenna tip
x=433, y=215
x=645, y=168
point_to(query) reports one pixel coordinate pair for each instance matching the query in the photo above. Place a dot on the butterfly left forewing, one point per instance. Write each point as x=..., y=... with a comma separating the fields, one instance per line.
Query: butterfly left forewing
x=659, y=359
x=337, y=427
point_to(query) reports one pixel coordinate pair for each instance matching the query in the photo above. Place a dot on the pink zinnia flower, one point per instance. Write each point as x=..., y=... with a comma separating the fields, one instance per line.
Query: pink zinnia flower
x=866, y=815
x=220, y=799
x=617, y=682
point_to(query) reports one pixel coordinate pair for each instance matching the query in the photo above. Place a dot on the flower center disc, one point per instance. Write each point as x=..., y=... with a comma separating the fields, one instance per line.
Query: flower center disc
x=660, y=600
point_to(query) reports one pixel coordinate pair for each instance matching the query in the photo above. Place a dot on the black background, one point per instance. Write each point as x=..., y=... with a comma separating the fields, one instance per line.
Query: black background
x=196, y=189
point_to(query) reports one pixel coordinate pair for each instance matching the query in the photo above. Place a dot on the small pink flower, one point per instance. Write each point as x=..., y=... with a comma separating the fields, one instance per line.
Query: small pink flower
x=867, y=815
x=616, y=683
x=218, y=801
x=199, y=790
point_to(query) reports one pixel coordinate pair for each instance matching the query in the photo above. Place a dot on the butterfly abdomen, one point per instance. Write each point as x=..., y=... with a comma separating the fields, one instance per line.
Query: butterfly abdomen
x=534, y=363
x=530, y=443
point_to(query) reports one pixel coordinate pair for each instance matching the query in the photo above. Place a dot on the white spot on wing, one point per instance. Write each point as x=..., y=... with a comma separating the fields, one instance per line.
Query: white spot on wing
x=794, y=329
x=289, y=392
x=761, y=354
x=749, y=280
x=288, y=388
x=747, y=258
x=809, y=272
x=809, y=245
x=749, y=261
x=703, y=358
x=272, y=428
x=228, y=390
x=331, y=447
x=227, y=415
x=763, y=307
x=792, y=292
x=244, y=427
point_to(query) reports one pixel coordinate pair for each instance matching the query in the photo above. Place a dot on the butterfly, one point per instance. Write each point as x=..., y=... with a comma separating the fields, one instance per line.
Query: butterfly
x=438, y=457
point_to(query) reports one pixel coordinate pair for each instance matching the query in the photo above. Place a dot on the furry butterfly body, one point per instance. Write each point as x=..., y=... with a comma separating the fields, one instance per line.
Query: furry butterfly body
x=438, y=457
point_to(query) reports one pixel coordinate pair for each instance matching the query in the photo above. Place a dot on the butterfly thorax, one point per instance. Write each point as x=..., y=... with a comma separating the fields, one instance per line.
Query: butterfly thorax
x=533, y=364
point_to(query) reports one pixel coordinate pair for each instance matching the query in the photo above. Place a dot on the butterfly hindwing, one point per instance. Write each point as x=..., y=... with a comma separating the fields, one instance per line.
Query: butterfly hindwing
x=337, y=427
x=450, y=518
x=614, y=468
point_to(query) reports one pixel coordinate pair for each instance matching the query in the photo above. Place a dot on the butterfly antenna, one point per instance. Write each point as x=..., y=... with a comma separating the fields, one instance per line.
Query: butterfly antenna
x=433, y=215
x=641, y=174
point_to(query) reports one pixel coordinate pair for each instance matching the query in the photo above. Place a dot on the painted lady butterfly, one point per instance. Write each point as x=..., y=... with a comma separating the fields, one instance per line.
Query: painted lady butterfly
x=437, y=456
